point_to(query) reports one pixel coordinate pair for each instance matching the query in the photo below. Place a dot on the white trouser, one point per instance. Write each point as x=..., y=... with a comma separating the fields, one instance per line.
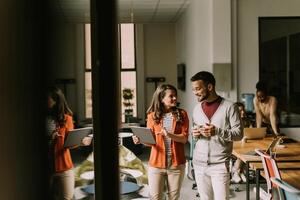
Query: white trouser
x=212, y=181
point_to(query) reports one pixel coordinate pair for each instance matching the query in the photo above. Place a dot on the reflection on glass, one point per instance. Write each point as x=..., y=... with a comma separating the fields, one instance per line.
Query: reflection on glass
x=128, y=82
x=127, y=46
x=88, y=95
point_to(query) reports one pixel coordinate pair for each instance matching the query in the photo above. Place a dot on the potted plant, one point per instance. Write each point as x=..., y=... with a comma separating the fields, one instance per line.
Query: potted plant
x=127, y=94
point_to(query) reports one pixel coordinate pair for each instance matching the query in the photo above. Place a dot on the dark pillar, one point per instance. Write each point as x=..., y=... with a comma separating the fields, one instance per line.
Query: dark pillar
x=105, y=95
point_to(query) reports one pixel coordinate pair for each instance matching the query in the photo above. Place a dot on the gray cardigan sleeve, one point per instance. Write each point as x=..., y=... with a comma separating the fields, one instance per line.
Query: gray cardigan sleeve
x=234, y=132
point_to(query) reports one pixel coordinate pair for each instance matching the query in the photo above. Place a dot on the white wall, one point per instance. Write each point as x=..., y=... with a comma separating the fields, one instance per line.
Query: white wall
x=140, y=62
x=194, y=41
x=248, y=55
x=226, y=32
x=203, y=36
x=291, y=133
x=80, y=72
x=222, y=42
x=221, y=31
x=159, y=55
x=67, y=62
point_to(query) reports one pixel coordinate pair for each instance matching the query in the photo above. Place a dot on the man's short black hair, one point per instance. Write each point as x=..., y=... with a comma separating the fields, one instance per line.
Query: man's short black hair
x=261, y=86
x=206, y=77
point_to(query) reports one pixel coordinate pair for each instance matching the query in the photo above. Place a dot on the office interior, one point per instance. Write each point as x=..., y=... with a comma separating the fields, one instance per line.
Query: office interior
x=44, y=43
x=218, y=36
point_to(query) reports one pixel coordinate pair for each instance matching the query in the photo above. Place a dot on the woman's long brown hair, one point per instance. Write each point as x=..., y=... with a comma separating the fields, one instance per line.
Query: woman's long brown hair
x=58, y=111
x=157, y=106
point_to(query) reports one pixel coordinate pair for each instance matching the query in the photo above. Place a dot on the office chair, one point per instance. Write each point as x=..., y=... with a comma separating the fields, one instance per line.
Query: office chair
x=271, y=171
x=286, y=191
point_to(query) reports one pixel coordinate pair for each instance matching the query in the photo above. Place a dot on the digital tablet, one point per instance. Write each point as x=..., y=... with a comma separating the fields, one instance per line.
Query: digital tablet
x=75, y=136
x=145, y=134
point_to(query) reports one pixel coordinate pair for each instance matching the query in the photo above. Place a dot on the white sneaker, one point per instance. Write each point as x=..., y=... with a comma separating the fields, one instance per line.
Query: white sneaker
x=236, y=178
x=263, y=194
x=243, y=177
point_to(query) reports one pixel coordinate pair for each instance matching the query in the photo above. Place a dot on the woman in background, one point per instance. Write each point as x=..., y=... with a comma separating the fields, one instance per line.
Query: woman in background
x=59, y=122
x=169, y=126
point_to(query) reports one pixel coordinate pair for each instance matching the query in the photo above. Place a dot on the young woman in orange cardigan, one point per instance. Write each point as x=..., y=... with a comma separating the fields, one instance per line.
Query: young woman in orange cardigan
x=58, y=122
x=169, y=125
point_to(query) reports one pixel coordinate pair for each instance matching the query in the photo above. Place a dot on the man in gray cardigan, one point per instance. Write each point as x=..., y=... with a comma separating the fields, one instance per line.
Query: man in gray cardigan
x=217, y=124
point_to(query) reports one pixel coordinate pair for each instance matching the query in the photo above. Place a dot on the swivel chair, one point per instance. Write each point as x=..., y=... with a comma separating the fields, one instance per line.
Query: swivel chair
x=270, y=170
x=286, y=191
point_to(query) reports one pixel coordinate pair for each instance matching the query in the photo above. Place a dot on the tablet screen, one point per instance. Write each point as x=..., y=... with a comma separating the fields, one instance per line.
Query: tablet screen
x=145, y=134
x=75, y=136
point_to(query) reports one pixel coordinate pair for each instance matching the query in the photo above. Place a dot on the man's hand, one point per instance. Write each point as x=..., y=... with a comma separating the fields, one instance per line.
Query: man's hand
x=196, y=131
x=207, y=130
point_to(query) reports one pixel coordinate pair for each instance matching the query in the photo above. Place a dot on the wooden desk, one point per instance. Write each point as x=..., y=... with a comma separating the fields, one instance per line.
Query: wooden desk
x=240, y=150
x=285, y=168
x=292, y=177
x=291, y=153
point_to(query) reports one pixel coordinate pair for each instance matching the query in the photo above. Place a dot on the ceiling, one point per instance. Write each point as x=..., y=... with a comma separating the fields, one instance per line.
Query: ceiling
x=151, y=11
x=130, y=11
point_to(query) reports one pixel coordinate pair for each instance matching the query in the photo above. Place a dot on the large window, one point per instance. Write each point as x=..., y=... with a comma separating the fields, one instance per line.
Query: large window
x=128, y=71
x=279, y=64
x=88, y=72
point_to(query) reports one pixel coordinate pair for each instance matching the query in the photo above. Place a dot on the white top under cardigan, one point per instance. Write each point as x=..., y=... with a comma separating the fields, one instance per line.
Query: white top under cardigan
x=229, y=128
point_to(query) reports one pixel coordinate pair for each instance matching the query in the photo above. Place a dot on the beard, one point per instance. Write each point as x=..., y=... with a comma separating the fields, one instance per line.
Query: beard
x=202, y=97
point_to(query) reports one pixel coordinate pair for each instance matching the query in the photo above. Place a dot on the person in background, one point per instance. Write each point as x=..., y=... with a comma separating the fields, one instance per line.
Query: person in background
x=217, y=124
x=237, y=169
x=243, y=114
x=169, y=125
x=59, y=122
x=266, y=109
